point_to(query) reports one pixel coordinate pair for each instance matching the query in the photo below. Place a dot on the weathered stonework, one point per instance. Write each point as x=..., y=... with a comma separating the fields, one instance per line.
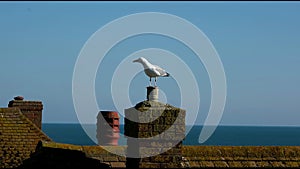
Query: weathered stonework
x=160, y=129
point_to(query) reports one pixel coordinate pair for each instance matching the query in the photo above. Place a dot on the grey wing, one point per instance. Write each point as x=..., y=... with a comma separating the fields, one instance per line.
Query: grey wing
x=160, y=71
x=151, y=72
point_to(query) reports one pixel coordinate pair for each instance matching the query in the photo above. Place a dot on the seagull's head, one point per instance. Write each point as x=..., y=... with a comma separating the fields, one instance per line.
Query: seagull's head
x=139, y=60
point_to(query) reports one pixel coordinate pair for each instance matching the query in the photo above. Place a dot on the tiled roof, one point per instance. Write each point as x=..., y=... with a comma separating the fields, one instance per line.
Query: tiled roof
x=31, y=109
x=57, y=156
x=201, y=156
x=242, y=156
x=18, y=137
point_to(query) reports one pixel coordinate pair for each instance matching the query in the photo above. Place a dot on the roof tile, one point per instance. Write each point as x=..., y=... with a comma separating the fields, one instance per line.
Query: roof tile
x=18, y=137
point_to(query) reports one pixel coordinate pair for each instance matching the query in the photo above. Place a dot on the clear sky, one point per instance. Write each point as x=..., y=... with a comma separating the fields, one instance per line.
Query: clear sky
x=258, y=44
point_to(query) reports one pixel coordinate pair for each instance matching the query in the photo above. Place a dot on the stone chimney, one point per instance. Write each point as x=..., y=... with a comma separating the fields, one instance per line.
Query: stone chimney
x=154, y=133
x=31, y=109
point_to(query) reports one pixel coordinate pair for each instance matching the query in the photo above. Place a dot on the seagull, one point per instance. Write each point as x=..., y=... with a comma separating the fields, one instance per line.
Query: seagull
x=152, y=70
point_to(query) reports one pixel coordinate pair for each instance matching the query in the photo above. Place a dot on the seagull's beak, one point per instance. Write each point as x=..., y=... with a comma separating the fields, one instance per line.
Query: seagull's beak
x=135, y=60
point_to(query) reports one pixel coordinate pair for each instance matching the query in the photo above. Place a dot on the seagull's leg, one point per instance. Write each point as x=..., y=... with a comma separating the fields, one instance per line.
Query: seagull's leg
x=155, y=81
x=150, y=82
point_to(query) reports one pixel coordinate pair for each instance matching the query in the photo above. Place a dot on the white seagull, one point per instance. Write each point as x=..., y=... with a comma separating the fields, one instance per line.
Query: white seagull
x=152, y=70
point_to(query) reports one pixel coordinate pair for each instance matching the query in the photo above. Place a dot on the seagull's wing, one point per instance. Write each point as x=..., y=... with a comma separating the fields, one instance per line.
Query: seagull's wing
x=159, y=71
x=151, y=72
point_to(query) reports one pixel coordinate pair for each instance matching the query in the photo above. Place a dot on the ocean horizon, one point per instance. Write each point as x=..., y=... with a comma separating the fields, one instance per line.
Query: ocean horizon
x=72, y=133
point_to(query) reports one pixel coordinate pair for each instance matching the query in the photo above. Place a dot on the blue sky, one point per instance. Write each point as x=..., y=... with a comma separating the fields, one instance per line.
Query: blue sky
x=258, y=44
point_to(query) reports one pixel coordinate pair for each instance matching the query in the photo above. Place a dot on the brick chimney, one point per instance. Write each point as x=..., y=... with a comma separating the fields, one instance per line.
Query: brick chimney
x=31, y=109
x=108, y=128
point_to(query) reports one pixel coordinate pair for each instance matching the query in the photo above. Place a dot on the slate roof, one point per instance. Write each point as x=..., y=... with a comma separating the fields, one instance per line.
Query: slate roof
x=18, y=137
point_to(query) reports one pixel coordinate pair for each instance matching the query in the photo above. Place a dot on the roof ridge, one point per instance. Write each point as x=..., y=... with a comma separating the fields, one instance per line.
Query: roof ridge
x=22, y=116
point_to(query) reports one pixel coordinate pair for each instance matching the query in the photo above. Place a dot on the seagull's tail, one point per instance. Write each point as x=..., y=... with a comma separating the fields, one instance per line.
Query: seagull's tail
x=167, y=74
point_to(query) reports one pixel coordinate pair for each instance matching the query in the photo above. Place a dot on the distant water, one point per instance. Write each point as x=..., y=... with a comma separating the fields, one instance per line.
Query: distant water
x=224, y=135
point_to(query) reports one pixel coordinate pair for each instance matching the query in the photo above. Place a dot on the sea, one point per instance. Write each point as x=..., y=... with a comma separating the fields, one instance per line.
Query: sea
x=223, y=135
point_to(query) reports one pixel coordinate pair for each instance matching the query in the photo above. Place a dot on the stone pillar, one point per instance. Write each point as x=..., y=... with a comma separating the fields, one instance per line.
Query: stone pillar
x=31, y=109
x=108, y=128
x=152, y=128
